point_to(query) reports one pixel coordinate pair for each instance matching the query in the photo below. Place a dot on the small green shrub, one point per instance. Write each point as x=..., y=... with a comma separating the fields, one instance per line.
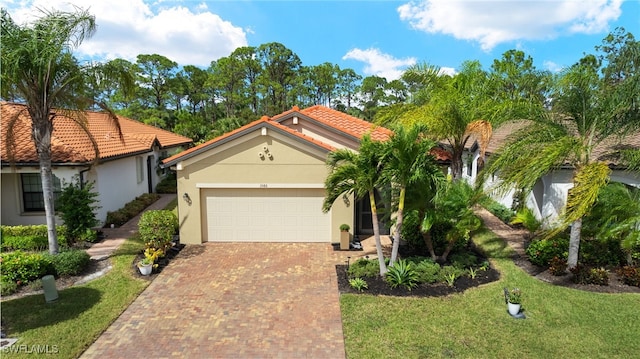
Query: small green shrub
x=169, y=184
x=24, y=243
x=21, y=267
x=131, y=209
x=587, y=275
x=557, y=266
x=540, y=252
x=448, y=274
x=527, y=219
x=157, y=229
x=428, y=271
x=364, y=268
x=473, y=272
x=402, y=274
x=76, y=206
x=501, y=211
x=36, y=233
x=463, y=260
x=71, y=262
x=7, y=287
x=630, y=275
x=601, y=253
x=358, y=284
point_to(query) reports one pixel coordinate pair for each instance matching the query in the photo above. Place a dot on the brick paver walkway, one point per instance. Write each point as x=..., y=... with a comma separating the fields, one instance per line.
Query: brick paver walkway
x=235, y=300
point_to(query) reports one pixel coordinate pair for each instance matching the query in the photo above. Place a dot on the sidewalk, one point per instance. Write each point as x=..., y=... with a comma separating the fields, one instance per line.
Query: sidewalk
x=114, y=237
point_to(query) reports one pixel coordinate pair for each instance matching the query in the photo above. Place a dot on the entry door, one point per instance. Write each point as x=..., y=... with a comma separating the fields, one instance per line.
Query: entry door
x=364, y=223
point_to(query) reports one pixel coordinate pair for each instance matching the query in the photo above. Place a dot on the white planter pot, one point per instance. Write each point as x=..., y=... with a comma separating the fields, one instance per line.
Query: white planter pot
x=514, y=309
x=145, y=269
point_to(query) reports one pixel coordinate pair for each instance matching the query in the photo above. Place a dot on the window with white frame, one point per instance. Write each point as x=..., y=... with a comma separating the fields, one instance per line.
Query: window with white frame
x=32, y=195
x=139, y=169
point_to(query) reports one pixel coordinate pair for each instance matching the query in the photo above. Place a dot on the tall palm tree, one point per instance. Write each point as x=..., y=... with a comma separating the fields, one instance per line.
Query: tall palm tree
x=357, y=174
x=588, y=113
x=407, y=162
x=39, y=69
x=457, y=112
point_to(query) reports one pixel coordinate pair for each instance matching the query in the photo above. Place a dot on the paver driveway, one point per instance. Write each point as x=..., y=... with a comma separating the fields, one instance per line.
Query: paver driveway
x=235, y=300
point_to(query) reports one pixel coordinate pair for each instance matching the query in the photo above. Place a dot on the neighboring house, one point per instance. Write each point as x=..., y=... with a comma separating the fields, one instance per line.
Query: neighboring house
x=549, y=196
x=126, y=167
x=264, y=182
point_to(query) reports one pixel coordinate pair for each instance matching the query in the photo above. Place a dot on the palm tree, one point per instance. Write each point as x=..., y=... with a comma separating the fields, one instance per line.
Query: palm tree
x=588, y=113
x=407, y=162
x=357, y=174
x=455, y=113
x=39, y=69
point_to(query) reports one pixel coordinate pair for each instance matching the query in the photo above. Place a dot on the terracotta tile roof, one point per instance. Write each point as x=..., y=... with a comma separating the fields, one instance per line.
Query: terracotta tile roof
x=345, y=123
x=246, y=128
x=502, y=133
x=70, y=144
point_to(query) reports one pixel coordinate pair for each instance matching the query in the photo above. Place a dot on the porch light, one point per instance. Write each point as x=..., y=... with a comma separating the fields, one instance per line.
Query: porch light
x=186, y=198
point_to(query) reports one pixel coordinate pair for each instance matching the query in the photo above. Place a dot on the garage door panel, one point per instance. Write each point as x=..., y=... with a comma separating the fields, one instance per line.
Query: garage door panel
x=266, y=215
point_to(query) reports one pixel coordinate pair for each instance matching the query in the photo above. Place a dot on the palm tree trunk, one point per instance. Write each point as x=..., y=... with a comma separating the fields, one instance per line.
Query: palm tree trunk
x=445, y=254
x=376, y=233
x=47, y=193
x=428, y=241
x=399, y=220
x=574, y=243
x=456, y=164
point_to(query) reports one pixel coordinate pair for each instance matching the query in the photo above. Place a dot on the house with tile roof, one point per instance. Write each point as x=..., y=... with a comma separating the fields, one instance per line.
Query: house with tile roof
x=123, y=168
x=265, y=180
x=549, y=196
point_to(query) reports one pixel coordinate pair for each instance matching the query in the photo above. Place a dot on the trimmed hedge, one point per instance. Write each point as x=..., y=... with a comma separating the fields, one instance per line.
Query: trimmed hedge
x=131, y=209
x=21, y=267
x=540, y=252
x=29, y=238
x=157, y=228
x=71, y=262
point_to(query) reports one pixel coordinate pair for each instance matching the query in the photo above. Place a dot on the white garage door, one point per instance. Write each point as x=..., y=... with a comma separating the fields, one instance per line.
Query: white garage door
x=267, y=215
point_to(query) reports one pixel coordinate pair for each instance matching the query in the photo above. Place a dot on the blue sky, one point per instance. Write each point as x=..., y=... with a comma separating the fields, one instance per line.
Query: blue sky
x=372, y=37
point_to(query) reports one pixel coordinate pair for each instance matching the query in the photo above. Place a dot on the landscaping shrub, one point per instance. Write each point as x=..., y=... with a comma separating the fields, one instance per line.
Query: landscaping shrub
x=557, y=266
x=157, y=228
x=448, y=274
x=402, y=274
x=541, y=251
x=527, y=219
x=501, y=211
x=20, y=267
x=601, y=253
x=587, y=275
x=76, y=206
x=7, y=287
x=358, y=284
x=463, y=260
x=411, y=232
x=428, y=271
x=363, y=268
x=71, y=262
x=24, y=243
x=630, y=275
x=39, y=230
x=169, y=184
x=130, y=209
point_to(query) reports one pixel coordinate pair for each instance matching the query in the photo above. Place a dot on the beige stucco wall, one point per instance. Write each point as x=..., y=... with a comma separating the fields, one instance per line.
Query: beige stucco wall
x=238, y=164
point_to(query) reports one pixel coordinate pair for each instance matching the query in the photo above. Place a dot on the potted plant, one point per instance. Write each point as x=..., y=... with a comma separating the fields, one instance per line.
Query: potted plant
x=145, y=266
x=344, y=236
x=514, y=301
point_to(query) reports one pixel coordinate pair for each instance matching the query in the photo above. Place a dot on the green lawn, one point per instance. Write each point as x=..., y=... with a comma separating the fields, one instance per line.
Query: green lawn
x=561, y=322
x=80, y=315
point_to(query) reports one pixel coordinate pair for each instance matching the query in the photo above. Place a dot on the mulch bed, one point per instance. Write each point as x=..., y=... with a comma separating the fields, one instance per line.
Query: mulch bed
x=378, y=286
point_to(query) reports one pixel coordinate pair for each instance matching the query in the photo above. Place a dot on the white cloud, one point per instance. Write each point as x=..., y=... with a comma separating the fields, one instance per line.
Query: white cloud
x=494, y=22
x=552, y=66
x=380, y=64
x=127, y=28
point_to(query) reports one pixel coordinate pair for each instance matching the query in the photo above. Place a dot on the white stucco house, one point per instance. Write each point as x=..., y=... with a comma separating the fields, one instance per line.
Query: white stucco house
x=124, y=167
x=549, y=195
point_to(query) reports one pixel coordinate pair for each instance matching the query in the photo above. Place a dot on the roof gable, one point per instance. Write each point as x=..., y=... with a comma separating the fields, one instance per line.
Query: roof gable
x=70, y=143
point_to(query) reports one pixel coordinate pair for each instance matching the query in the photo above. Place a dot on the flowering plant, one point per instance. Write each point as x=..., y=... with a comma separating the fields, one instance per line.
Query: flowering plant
x=515, y=296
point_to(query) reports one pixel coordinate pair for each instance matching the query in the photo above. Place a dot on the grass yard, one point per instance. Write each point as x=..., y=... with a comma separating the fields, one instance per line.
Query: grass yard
x=561, y=322
x=80, y=314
